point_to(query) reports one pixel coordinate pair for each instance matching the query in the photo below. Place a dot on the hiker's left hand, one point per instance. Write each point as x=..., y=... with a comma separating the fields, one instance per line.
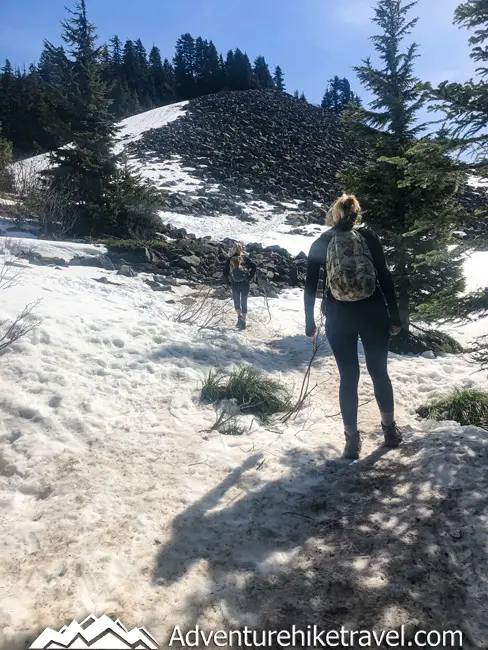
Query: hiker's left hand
x=395, y=330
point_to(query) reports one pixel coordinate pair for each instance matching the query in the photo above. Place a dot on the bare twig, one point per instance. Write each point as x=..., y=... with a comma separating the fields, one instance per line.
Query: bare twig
x=205, y=311
x=53, y=206
x=12, y=331
x=227, y=422
x=334, y=415
x=24, y=323
x=9, y=274
x=297, y=514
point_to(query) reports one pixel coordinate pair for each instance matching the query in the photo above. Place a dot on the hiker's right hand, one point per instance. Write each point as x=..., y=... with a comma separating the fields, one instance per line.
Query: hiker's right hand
x=311, y=332
x=395, y=330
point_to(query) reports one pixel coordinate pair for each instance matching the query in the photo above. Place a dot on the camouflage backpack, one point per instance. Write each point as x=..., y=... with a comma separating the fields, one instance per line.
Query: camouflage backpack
x=351, y=274
x=239, y=275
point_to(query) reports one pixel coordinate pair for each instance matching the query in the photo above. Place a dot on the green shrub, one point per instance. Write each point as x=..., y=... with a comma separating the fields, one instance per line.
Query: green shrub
x=467, y=406
x=418, y=341
x=7, y=181
x=253, y=391
x=118, y=245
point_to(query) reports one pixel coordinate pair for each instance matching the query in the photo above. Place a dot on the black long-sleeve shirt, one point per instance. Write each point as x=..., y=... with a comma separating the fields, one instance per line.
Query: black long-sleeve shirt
x=384, y=292
x=248, y=265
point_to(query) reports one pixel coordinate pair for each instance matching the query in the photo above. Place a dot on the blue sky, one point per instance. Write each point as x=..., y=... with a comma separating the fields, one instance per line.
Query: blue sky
x=312, y=40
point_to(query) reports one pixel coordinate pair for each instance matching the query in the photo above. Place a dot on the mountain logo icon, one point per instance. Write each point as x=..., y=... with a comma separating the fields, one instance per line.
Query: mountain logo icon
x=96, y=634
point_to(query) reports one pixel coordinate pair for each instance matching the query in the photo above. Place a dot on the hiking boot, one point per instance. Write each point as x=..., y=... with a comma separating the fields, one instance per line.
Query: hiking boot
x=352, y=448
x=393, y=435
x=241, y=323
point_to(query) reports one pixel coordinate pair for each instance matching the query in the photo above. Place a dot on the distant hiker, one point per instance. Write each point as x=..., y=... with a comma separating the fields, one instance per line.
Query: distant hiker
x=239, y=271
x=359, y=300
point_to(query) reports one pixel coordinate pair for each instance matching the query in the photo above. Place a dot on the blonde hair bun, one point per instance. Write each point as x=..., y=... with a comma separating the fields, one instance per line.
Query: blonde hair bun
x=342, y=208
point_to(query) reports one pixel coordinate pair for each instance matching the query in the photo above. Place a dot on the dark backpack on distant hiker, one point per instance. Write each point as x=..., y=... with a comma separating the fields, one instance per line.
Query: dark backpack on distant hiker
x=239, y=275
x=351, y=274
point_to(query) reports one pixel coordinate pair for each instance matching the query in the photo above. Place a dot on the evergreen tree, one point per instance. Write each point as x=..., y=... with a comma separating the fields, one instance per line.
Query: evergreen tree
x=262, y=74
x=347, y=98
x=279, y=79
x=157, y=74
x=407, y=186
x=331, y=99
x=207, y=70
x=119, y=93
x=303, y=98
x=116, y=54
x=229, y=71
x=184, y=67
x=105, y=57
x=35, y=135
x=199, y=64
x=136, y=73
x=169, y=80
x=296, y=94
x=6, y=176
x=338, y=96
x=244, y=71
x=89, y=170
x=9, y=101
x=221, y=72
x=328, y=100
x=214, y=69
x=121, y=99
x=130, y=65
x=238, y=71
x=54, y=67
x=466, y=105
x=144, y=87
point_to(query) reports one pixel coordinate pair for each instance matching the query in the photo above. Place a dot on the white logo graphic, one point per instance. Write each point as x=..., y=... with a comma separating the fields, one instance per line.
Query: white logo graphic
x=95, y=633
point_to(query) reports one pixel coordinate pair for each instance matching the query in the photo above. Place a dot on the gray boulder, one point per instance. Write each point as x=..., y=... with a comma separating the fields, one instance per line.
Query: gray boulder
x=188, y=261
x=96, y=261
x=127, y=271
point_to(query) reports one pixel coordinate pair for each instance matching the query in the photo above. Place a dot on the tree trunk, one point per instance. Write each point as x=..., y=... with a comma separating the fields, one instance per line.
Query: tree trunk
x=404, y=292
x=404, y=309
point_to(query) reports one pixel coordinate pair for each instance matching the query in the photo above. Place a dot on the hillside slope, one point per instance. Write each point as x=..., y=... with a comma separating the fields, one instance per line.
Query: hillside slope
x=259, y=161
x=267, y=142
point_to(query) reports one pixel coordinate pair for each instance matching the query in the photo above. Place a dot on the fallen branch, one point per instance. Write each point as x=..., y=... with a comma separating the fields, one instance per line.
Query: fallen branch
x=266, y=301
x=305, y=390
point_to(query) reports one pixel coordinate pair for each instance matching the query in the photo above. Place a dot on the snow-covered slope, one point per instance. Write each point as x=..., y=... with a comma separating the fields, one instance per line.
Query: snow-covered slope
x=130, y=130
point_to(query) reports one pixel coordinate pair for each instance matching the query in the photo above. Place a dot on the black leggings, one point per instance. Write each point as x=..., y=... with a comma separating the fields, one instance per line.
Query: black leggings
x=240, y=292
x=374, y=331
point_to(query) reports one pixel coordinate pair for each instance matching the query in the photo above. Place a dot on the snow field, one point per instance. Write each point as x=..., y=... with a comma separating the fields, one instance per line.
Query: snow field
x=105, y=453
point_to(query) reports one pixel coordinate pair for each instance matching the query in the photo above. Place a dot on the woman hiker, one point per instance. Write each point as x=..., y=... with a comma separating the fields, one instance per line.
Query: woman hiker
x=359, y=300
x=239, y=271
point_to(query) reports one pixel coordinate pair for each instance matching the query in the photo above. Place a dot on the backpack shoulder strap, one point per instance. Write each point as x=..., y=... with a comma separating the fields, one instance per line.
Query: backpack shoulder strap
x=363, y=233
x=327, y=237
